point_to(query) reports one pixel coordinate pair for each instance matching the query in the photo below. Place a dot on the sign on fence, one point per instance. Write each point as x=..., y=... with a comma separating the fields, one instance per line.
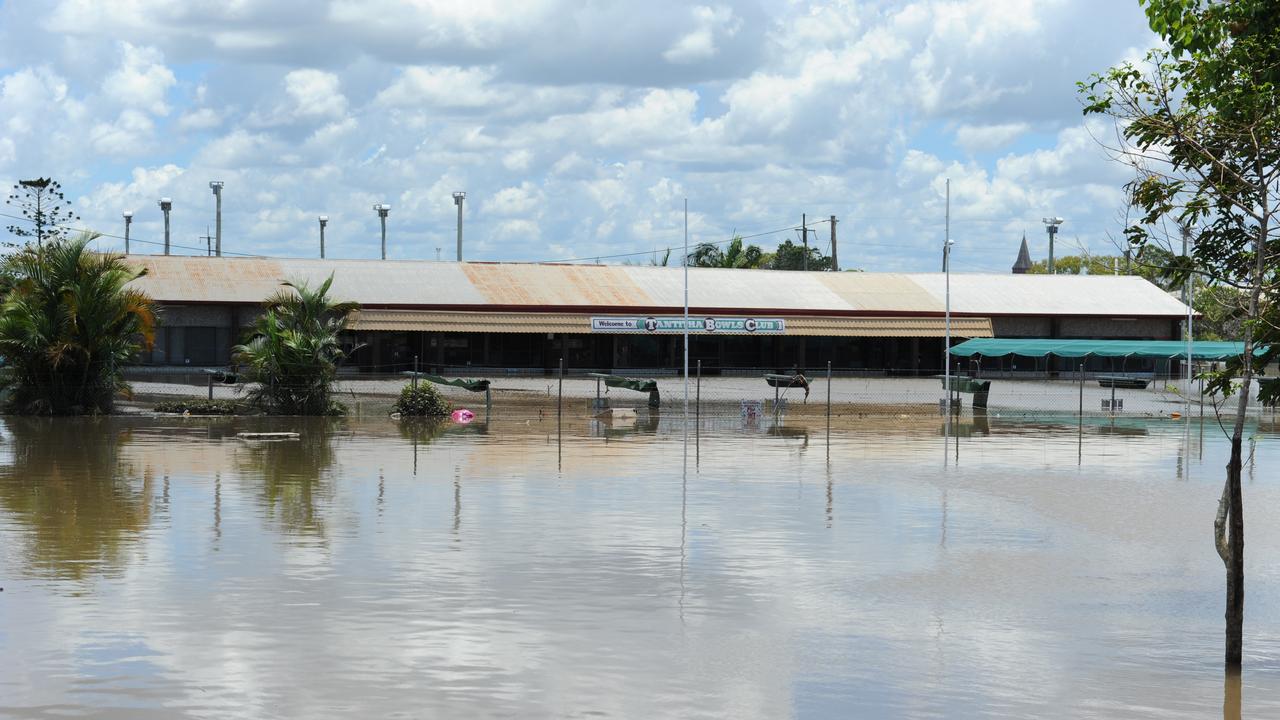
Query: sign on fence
x=676, y=324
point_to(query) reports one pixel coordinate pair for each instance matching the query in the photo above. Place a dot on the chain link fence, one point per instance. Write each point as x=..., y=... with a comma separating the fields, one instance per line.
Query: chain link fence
x=746, y=393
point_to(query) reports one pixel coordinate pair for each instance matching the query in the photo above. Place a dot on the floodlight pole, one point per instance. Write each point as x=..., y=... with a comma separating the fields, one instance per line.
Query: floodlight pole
x=165, y=206
x=946, y=348
x=128, y=220
x=686, y=322
x=1051, y=225
x=382, y=209
x=458, y=197
x=216, y=186
x=324, y=220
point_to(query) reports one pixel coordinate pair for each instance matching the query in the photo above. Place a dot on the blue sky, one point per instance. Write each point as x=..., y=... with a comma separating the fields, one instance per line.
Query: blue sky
x=577, y=129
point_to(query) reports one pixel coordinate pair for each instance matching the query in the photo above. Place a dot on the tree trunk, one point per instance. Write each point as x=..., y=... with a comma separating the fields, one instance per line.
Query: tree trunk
x=1235, y=557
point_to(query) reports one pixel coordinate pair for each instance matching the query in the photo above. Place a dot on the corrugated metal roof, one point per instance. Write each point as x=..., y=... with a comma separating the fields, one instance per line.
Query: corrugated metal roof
x=546, y=288
x=508, y=322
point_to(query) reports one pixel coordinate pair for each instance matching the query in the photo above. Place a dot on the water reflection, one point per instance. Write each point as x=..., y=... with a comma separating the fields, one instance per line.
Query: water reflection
x=630, y=584
x=83, y=505
x=294, y=476
x=1231, y=695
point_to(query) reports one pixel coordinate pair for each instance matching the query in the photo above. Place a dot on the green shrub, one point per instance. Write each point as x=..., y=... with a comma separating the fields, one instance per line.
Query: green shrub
x=422, y=401
x=199, y=407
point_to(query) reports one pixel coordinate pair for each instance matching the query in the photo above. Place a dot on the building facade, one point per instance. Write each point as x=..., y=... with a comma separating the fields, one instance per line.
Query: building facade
x=511, y=317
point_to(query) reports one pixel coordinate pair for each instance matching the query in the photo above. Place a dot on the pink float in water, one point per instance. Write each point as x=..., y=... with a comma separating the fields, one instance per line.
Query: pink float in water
x=463, y=416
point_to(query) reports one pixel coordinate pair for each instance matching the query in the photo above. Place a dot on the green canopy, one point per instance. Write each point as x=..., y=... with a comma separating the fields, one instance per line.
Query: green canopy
x=618, y=381
x=1200, y=349
x=464, y=383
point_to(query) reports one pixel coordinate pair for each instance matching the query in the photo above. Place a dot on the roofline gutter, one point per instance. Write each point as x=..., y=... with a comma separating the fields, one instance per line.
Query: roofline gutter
x=693, y=310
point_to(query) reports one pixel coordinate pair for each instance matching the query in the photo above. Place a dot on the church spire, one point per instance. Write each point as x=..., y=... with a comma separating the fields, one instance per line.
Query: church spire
x=1023, y=263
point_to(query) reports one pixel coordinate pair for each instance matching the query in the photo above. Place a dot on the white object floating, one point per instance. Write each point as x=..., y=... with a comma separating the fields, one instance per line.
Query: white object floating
x=268, y=435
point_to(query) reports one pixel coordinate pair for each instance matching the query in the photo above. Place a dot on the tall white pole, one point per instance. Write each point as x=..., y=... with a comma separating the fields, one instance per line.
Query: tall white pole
x=1187, y=300
x=686, y=311
x=946, y=346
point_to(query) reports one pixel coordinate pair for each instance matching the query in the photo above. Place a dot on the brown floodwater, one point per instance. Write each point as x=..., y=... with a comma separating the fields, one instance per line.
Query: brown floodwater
x=164, y=568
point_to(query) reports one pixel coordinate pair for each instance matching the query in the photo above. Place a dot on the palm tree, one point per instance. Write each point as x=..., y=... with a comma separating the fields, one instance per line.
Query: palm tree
x=294, y=349
x=68, y=327
x=735, y=256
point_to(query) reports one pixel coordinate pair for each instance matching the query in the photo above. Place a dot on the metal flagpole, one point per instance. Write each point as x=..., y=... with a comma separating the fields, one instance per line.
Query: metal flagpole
x=686, y=312
x=946, y=348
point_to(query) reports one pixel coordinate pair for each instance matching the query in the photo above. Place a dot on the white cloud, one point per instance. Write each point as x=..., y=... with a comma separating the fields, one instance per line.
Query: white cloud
x=700, y=44
x=587, y=122
x=315, y=93
x=128, y=135
x=141, y=81
x=514, y=200
x=984, y=138
x=200, y=119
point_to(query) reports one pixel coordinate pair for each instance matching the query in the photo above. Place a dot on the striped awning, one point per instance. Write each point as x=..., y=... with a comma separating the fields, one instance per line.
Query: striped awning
x=576, y=323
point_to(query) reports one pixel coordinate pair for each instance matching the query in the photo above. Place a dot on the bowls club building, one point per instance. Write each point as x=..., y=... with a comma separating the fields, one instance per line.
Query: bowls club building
x=478, y=317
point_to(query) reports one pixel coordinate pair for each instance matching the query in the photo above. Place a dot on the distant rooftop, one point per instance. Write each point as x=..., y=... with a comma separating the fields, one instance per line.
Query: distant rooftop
x=634, y=289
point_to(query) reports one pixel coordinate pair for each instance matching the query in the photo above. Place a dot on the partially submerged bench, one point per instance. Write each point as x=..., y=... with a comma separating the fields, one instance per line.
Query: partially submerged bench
x=648, y=385
x=1131, y=382
x=783, y=382
x=964, y=384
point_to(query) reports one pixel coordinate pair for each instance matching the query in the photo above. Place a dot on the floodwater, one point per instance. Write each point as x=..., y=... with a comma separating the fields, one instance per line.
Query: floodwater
x=163, y=568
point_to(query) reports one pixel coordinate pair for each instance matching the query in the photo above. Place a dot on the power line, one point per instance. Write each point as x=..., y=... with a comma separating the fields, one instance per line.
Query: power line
x=131, y=238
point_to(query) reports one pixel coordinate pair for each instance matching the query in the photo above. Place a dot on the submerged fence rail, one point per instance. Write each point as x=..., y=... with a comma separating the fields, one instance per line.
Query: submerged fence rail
x=718, y=391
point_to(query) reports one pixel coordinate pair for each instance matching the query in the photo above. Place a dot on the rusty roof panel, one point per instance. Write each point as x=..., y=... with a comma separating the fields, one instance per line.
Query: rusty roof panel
x=621, y=289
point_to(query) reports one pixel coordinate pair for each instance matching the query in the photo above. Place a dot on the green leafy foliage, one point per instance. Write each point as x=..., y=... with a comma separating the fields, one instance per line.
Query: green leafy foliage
x=1202, y=120
x=422, y=401
x=199, y=407
x=293, y=351
x=68, y=326
x=736, y=255
x=45, y=209
x=790, y=256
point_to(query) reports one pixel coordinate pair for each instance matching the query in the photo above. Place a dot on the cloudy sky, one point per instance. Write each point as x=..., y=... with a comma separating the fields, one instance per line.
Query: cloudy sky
x=577, y=129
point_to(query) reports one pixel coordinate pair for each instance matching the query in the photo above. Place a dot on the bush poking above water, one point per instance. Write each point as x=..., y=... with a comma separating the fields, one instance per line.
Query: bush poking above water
x=199, y=407
x=422, y=401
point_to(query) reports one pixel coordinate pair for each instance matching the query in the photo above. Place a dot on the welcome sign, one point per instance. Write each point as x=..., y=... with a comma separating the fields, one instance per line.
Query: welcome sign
x=677, y=324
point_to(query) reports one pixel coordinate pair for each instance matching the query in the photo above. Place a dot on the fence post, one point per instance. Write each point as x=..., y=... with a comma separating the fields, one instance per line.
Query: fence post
x=415, y=373
x=488, y=404
x=1081, y=411
x=560, y=393
x=211, y=387
x=828, y=396
x=697, y=395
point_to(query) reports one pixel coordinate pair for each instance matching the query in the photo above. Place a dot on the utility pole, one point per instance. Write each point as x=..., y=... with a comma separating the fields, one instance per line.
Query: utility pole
x=804, y=232
x=835, y=264
x=207, y=238
x=457, y=200
x=216, y=186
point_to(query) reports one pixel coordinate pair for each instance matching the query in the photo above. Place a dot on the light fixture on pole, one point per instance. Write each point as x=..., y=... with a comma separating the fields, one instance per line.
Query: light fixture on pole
x=382, y=210
x=216, y=186
x=1051, y=224
x=166, y=204
x=458, y=197
x=324, y=220
x=128, y=220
